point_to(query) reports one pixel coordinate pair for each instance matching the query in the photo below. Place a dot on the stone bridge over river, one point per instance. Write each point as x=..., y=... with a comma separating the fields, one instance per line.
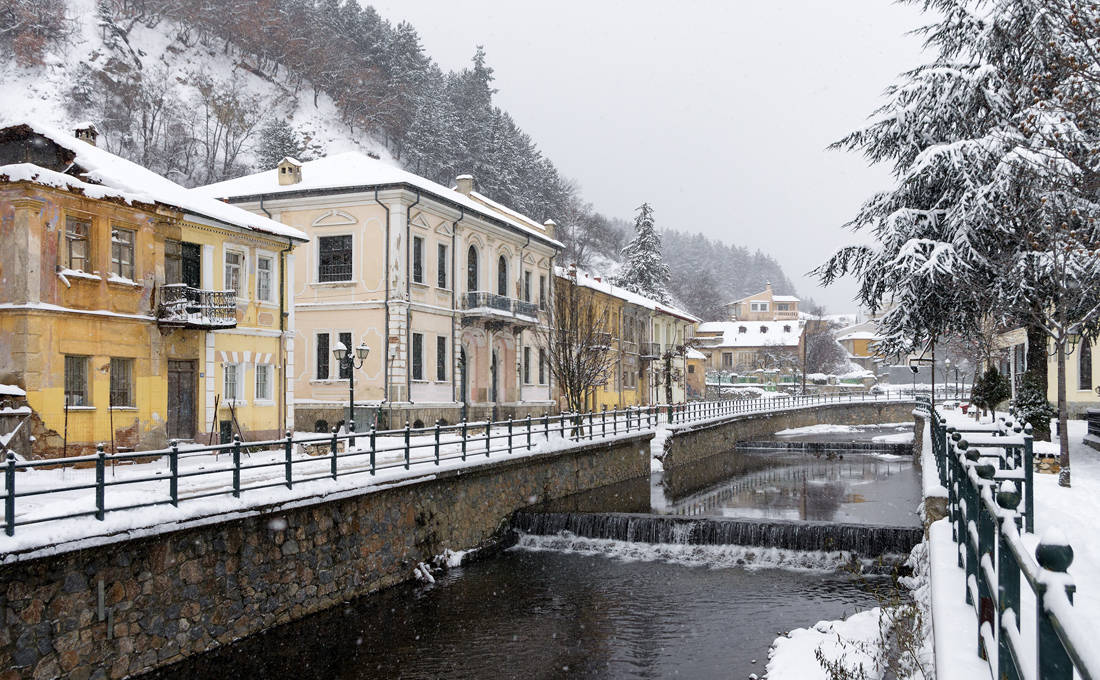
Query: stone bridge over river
x=131, y=602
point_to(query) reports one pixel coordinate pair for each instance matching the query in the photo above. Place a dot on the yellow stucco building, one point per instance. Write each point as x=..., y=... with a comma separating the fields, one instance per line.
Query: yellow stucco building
x=132, y=311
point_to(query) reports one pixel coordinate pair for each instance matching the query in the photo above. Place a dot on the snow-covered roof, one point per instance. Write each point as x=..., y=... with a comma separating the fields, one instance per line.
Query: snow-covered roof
x=693, y=353
x=605, y=286
x=12, y=390
x=860, y=335
x=105, y=175
x=785, y=298
x=354, y=171
x=776, y=298
x=756, y=333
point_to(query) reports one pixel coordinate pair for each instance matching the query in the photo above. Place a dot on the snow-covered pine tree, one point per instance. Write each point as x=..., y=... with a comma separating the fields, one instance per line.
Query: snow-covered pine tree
x=644, y=270
x=277, y=140
x=993, y=146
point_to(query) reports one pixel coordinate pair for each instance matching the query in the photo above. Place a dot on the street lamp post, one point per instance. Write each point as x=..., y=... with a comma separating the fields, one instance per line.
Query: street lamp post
x=345, y=358
x=946, y=374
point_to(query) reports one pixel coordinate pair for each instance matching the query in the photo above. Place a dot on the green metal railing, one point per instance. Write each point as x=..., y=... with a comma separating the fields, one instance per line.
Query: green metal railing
x=986, y=477
x=346, y=455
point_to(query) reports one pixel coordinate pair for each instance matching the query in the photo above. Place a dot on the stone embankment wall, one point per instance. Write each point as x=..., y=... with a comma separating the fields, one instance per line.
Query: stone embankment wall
x=691, y=442
x=171, y=595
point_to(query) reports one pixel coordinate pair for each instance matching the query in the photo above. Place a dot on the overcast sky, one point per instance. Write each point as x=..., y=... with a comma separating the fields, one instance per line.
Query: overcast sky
x=717, y=113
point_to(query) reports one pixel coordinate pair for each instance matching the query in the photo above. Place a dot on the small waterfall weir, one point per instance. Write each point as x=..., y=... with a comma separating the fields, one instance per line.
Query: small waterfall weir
x=866, y=541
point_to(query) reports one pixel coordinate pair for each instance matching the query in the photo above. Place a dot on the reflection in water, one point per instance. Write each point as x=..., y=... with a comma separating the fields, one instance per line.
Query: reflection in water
x=547, y=615
x=852, y=487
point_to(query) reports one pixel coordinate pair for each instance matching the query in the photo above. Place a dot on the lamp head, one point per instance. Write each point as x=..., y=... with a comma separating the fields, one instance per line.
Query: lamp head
x=362, y=351
x=340, y=351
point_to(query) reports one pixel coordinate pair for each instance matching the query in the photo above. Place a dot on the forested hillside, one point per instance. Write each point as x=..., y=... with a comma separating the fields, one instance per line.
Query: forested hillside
x=203, y=91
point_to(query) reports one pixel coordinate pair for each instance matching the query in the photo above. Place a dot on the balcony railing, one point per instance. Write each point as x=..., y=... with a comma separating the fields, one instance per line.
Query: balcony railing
x=493, y=305
x=628, y=347
x=649, y=350
x=181, y=305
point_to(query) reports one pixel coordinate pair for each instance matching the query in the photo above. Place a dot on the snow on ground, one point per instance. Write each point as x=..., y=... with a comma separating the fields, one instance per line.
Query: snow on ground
x=792, y=656
x=897, y=438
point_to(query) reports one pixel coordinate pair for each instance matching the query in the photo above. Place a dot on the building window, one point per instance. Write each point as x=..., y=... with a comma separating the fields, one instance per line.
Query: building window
x=173, y=261
x=742, y=329
x=526, y=365
x=122, y=253
x=542, y=366
x=1084, y=365
x=759, y=306
x=542, y=291
x=418, y=259
x=727, y=359
x=763, y=329
x=231, y=386
x=322, y=356
x=263, y=382
x=502, y=276
x=345, y=367
x=441, y=358
x=471, y=270
x=76, y=235
x=122, y=382
x=526, y=286
x=334, y=259
x=441, y=266
x=786, y=329
x=76, y=381
x=691, y=368
x=263, y=278
x=417, y=356
x=233, y=262
x=782, y=307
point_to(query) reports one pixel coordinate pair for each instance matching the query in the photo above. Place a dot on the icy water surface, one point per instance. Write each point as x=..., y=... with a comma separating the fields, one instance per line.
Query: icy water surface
x=548, y=615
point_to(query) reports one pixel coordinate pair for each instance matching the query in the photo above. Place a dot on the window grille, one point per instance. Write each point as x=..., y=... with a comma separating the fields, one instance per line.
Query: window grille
x=122, y=382
x=334, y=258
x=76, y=381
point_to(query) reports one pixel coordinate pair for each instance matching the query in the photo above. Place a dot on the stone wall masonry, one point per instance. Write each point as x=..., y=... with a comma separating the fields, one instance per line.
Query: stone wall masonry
x=183, y=592
x=692, y=442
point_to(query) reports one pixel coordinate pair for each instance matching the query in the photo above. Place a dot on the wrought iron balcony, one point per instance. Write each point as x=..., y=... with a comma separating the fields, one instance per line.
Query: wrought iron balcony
x=186, y=307
x=498, y=307
x=649, y=350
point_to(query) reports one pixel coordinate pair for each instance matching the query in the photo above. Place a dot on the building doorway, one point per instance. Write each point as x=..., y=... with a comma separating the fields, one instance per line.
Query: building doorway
x=182, y=388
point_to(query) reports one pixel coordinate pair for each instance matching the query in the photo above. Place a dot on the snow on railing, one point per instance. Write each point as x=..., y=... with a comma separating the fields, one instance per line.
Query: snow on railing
x=987, y=474
x=288, y=461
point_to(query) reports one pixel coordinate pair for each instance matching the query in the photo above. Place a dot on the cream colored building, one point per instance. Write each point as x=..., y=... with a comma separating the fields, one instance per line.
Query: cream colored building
x=444, y=286
x=763, y=306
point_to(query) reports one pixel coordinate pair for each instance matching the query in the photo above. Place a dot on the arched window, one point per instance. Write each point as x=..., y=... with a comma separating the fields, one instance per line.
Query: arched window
x=502, y=277
x=471, y=270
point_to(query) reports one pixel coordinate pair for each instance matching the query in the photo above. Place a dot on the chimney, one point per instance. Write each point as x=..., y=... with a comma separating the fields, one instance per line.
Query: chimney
x=86, y=132
x=464, y=184
x=550, y=226
x=289, y=170
x=768, y=286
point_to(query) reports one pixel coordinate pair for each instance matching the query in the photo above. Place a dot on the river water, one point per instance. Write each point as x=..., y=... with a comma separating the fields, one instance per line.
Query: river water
x=546, y=610
x=527, y=614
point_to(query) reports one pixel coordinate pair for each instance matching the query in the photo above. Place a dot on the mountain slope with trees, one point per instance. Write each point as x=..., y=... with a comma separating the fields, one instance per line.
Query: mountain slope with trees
x=202, y=92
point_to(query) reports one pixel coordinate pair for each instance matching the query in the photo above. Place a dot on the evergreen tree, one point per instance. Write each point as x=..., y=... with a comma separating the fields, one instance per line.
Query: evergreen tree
x=1032, y=407
x=991, y=389
x=644, y=270
x=277, y=141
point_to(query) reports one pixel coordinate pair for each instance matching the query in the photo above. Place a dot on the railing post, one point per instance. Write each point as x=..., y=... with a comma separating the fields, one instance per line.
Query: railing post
x=174, y=471
x=603, y=420
x=528, y=430
x=546, y=424
x=986, y=537
x=488, y=433
x=509, y=435
x=1052, y=659
x=464, y=426
x=373, y=434
x=288, y=457
x=407, y=432
x=99, y=480
x=9, y=495
x=1029, y=480
x=236, y=454
x=437, y=442
x=1008, y=580
x=333, y=452
x=670, y=414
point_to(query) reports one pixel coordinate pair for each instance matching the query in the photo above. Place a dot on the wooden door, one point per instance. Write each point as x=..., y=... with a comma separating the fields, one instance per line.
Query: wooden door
x=182, y=385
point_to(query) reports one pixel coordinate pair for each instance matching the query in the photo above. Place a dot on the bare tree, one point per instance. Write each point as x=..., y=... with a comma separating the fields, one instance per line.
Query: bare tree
x=577, y=339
